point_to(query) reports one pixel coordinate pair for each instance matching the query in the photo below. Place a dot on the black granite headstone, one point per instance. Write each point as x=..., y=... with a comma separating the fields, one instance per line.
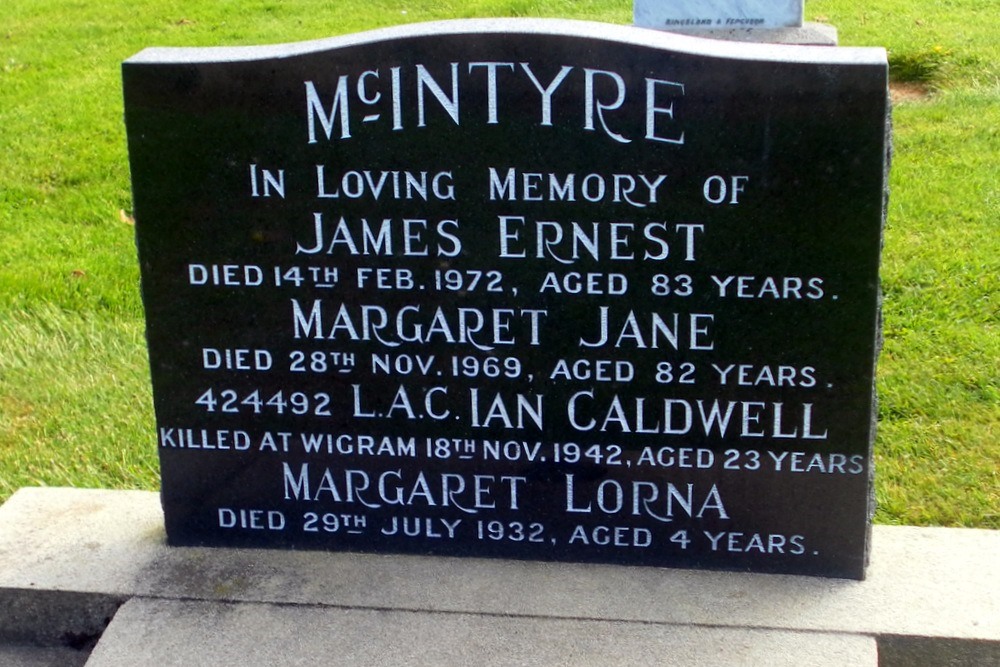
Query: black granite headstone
x=529, y=289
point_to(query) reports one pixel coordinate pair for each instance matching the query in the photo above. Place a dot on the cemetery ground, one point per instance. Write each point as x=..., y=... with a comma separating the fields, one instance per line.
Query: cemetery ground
x=75, y=403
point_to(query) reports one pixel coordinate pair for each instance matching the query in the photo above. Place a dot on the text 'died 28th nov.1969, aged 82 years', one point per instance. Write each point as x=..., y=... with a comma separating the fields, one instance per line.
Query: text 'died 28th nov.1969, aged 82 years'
x=528, y=289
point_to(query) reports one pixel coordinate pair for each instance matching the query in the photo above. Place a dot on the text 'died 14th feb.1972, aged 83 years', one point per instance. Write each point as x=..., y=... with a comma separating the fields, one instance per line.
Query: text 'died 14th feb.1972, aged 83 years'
x=528, y=289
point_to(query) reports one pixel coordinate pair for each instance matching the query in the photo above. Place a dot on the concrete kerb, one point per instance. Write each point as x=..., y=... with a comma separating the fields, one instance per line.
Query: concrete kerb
x=69, y=558
x=183, y=633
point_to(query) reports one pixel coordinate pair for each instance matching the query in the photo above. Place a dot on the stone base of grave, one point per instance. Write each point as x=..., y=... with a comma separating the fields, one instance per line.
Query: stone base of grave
x=808, y=34
x=86, y=579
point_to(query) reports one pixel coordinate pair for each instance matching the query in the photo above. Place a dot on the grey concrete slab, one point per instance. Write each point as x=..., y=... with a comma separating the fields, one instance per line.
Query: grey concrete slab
x=79, y=539
x=931, y=581
x=923, y=583
x=165, y=633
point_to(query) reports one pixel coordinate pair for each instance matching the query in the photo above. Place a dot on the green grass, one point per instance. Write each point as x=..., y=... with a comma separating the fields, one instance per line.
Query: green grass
x=74, y=401
x=75, y=407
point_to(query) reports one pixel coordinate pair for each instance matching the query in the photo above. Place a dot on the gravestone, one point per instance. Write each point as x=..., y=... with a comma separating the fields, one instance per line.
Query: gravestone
x=529, y=289
x=688, y=15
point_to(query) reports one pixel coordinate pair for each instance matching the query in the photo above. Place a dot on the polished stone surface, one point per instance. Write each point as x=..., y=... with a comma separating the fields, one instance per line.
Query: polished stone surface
x=540, y=289
x=718, y=14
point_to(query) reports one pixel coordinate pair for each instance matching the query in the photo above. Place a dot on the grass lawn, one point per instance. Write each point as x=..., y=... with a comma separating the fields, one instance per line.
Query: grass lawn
x=75, y=404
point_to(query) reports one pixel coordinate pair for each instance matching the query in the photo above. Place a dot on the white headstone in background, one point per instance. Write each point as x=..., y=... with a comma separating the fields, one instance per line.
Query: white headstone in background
x=691, y=15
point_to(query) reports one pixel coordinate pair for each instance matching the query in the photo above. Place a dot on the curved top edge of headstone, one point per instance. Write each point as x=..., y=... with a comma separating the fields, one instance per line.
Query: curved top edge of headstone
x=520, y=26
